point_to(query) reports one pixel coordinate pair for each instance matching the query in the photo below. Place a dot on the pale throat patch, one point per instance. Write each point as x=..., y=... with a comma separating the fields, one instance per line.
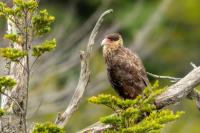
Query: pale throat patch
x=108, y=48
x=105, y=47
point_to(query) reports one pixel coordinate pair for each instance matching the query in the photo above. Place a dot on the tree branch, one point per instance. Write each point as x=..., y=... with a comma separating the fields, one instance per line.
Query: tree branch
x=193, y=95
x=97, y=127
x=180, y=89
x=172, y=79
x=63, y=118
x=22, y=111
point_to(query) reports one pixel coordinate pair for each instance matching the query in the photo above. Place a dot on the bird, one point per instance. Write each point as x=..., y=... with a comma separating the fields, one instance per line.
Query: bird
x=125, y=69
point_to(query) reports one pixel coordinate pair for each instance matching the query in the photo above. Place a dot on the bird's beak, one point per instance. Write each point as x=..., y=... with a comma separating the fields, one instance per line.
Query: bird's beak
x=104, y=42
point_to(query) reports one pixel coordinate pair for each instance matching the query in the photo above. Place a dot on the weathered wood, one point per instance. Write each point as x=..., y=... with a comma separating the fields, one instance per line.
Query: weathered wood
x=180, y=89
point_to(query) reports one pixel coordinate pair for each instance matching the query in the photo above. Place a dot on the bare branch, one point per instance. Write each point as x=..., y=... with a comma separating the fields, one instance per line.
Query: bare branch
x=96, y=29
x=180, y=89
x=193, y=95
x=96, y=128
x=63, y=118
x=193, y=65
x=22, y=111
x=172, y=79
x=36, y=59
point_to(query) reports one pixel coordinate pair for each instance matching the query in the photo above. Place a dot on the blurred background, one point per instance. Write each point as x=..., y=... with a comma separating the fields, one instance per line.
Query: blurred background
x=165, y=34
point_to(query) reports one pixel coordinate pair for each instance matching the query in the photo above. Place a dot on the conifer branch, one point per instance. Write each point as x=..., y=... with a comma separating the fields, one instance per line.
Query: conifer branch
x=22, y=14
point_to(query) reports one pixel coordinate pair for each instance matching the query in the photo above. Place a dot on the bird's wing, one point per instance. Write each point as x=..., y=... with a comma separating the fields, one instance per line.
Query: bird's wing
x=137, y=63
x=128, y=74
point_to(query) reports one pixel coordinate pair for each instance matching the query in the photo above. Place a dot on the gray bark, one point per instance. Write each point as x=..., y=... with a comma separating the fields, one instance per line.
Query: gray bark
x=12, y=122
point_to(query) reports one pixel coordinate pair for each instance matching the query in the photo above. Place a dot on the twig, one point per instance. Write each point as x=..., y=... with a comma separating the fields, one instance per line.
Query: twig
x=63, y=118
x=22, y=111
x=193, y=65
x=19, y=62
x=28, y=70
x=195, y=95
x=36, y=59
x=172, y=79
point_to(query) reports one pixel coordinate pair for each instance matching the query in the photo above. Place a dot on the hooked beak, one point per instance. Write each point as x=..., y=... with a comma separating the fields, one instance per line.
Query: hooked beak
x=104, y=42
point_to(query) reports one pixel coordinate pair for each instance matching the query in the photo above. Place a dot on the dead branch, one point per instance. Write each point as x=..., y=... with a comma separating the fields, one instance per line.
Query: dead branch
x=193, y=95
x=172, y=79
x=193, y=65
x=180, y=89
x=76, y=35
x=97, y=127
x=63, y=118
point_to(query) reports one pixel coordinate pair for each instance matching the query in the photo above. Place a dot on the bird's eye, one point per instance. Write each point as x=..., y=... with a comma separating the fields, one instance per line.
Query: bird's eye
x=113, y=38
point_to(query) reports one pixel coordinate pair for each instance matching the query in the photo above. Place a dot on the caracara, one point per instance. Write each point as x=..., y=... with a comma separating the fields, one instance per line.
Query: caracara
x=125, y=70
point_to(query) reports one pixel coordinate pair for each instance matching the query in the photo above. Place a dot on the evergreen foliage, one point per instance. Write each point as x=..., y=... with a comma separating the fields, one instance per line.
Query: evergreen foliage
x=47, y=128
x=2, y=112
x=44, y=47
x=12, y=53
x=27, y=23
x=6, y=82
x=139, y=115
x=42, y=22
x=30, y=23
x=15, y=38
x=11, y=37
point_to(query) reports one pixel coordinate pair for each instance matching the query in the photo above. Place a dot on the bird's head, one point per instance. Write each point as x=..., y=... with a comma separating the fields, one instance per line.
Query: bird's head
x=113, y=40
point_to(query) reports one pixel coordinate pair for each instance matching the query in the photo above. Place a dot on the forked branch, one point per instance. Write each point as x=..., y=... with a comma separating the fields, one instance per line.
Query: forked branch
x=63, y=118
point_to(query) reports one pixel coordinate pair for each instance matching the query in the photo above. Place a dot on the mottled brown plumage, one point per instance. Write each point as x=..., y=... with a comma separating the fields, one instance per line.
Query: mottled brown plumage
x=125, y=70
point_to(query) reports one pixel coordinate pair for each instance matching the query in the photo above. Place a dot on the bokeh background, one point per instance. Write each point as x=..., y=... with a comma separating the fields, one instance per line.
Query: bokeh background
x=165, y=34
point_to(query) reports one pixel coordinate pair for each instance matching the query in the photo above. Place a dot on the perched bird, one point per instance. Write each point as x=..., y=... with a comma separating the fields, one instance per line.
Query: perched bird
x=125, y=70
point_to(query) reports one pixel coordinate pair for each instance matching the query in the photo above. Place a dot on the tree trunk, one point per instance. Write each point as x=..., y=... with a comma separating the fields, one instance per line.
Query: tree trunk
x=13, y=121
